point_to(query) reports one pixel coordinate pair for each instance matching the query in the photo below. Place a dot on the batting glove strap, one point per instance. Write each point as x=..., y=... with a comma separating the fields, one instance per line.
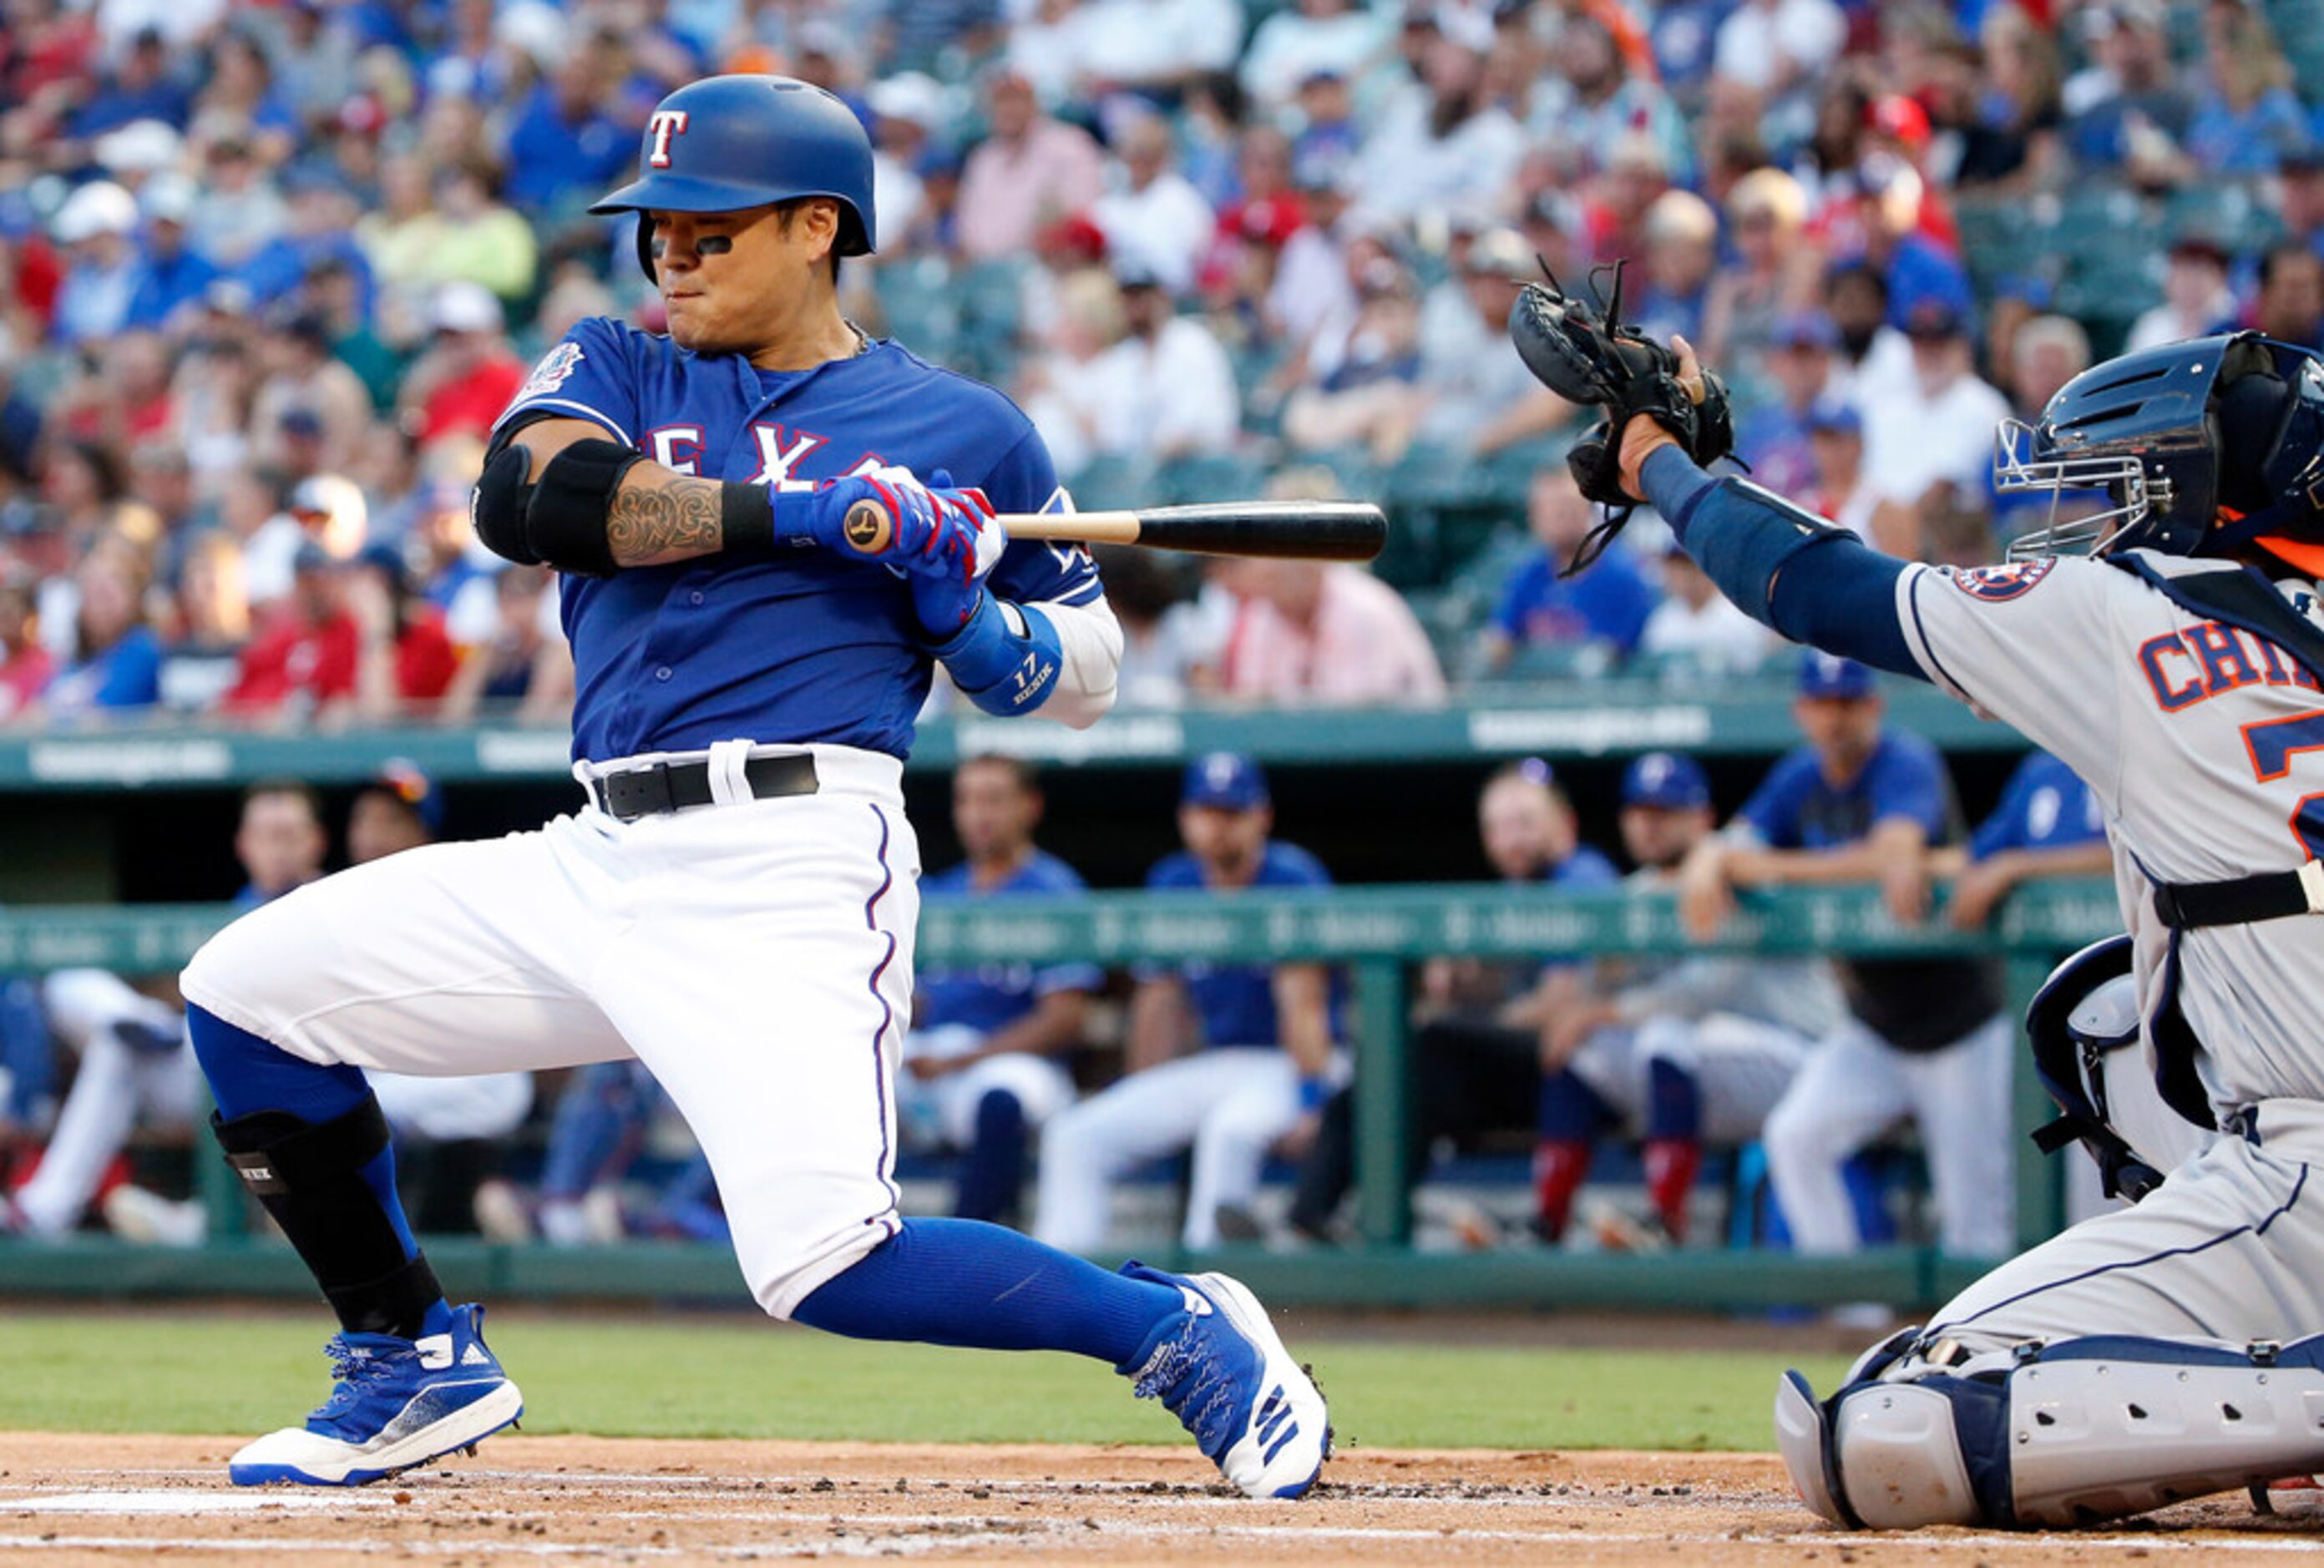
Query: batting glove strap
x=1006, y=659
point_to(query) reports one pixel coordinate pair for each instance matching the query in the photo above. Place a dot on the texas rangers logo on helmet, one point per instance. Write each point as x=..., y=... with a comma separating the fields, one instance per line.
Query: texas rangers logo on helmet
x=665, y=124
x=1999, y=584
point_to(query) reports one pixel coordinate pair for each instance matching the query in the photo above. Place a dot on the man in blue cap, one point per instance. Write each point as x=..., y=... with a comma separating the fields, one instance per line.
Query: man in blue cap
x=1226, y=1058
x=1927, y=1036
x=1684, y=1049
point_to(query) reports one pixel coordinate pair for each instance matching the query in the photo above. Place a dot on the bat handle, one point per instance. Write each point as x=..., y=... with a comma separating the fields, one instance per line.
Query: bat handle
x=868, y=529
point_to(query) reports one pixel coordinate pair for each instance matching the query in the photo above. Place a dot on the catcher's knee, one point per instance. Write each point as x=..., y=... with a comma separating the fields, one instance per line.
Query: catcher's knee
x=2068, y=1434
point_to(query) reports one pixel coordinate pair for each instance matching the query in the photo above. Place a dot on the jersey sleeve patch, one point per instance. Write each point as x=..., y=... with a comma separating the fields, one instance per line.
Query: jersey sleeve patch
x=556, y=367
x=2000, y=583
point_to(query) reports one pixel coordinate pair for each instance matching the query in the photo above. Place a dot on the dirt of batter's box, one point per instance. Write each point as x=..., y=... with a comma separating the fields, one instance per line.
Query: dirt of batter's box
x=73, y=1497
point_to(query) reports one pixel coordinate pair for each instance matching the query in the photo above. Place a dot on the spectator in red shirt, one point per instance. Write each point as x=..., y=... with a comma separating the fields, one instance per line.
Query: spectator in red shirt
x=307, y=654
x=468, y=375
x=408, y=658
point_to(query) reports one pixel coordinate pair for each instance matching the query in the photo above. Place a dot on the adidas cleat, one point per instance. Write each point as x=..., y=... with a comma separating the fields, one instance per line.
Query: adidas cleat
x=398, y=1404
x=1223, y=1372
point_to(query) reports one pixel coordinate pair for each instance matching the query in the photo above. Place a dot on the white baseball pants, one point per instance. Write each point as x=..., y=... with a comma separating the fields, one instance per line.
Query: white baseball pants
x=1228, y=1103
x=943, y=1110
x=755, y=955
x=114, y=1088
x=1741, y=1068
x=1852, y=1088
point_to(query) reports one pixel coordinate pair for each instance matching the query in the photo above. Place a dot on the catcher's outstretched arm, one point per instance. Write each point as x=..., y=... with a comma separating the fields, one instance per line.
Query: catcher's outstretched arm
x=1814, y=583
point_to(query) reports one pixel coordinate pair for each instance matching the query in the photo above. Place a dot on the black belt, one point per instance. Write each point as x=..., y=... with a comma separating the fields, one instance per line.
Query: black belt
x=2268, y=896
x=661, y=788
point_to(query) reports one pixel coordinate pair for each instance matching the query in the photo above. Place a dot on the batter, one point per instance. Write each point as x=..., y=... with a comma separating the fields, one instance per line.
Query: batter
x=735, y=904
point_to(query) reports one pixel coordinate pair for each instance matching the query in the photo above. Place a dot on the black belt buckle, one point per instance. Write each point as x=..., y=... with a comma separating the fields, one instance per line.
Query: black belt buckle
x=637, y=792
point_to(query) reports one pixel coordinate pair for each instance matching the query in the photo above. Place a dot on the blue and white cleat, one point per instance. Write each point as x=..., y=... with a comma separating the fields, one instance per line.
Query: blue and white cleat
x=1254, y=1411
x=398, y=1403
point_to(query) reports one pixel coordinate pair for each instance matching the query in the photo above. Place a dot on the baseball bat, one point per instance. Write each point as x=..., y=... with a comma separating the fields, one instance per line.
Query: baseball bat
x=1323, y=530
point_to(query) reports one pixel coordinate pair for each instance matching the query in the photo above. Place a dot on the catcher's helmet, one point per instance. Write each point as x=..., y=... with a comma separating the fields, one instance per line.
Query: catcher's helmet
x=2201, y=448
x=727, y=143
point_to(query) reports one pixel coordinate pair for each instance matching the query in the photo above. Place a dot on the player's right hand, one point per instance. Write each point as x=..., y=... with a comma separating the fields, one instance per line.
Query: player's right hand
x=891, y=518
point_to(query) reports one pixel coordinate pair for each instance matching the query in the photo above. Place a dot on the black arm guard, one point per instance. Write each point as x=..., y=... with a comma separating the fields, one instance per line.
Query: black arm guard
x=565, y=521
x=559, y=520
x=497, y=506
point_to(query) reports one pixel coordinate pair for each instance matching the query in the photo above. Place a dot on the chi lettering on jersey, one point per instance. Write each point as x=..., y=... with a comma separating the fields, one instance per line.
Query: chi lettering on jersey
x=2208, y=658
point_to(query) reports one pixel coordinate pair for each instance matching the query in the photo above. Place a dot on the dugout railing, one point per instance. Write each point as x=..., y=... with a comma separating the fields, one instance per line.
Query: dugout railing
x=1376, y=933
x=1611, y=716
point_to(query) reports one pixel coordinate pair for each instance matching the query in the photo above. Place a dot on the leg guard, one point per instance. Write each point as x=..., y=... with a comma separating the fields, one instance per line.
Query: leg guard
x=320, y=1182
x=2068, y=1434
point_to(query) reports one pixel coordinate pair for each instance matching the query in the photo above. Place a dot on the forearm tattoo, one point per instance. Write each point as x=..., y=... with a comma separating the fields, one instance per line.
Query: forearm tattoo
x=677, y=520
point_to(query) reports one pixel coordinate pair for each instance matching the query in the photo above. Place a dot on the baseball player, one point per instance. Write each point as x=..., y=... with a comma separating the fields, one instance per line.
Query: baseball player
x=2155, y=1352
x=1927, y=1037
x=735, y=904
x=1684, y=1051
x=1227, y=1058
x=133, y=1066
x=1477, y=1047
x=981, y=1066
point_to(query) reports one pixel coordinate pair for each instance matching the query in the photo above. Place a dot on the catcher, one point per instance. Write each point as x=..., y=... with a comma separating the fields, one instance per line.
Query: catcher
x=2155, y=1352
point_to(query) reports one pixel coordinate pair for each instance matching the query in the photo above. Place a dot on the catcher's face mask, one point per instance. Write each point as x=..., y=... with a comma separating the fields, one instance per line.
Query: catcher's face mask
x=2194, y=449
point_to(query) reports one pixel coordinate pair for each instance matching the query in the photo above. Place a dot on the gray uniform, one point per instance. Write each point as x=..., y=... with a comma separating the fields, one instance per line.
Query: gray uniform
x=2198, y=741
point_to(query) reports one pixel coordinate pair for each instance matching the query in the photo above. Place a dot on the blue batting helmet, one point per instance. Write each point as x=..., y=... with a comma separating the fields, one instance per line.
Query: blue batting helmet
x=2199, y=448
x=727, y=143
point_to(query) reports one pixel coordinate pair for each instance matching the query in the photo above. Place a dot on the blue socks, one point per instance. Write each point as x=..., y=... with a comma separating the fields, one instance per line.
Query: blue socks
x=960, y=1282
x=1673, y=1101
x=993, y=1171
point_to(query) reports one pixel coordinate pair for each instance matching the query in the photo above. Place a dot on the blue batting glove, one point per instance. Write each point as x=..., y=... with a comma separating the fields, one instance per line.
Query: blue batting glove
x=888, y=518
x=946, y=600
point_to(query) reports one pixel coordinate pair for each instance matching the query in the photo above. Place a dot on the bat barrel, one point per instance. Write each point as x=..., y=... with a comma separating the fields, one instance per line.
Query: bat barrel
x=1327, y=531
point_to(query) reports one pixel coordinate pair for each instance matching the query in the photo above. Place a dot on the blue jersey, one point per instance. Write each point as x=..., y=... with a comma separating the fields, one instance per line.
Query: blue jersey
x=1609, y=602
x=1915, y=1004
x=1795, y=807
x=1235, y=1003
x=795, y=644
x=994, y=995
x=2046, y=806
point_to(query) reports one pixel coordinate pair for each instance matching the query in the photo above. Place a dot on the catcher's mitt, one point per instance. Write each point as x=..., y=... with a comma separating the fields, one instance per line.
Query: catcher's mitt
x=1586, y=354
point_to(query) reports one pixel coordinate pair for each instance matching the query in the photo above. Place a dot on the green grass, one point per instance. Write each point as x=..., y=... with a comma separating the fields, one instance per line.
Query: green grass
x=718, y=1378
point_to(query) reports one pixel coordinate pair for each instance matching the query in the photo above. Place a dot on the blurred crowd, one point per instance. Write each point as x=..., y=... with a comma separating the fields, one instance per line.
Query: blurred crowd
x=269, y=272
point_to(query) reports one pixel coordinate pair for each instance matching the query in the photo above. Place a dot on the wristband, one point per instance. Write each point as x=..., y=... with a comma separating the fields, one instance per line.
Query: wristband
x=1005, y=659
x=746, y=515
x=1313, y=1093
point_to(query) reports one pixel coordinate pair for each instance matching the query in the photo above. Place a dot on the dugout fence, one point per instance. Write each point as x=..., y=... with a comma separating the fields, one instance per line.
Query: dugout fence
x=1378, y=933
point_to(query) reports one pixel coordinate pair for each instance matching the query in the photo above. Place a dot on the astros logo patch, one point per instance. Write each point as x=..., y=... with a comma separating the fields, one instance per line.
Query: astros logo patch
x=868, y=527
x=1998, y=585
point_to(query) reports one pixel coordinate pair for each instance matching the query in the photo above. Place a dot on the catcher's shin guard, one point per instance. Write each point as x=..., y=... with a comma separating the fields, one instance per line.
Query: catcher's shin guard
x=2072, y=1433
x=330, y=1186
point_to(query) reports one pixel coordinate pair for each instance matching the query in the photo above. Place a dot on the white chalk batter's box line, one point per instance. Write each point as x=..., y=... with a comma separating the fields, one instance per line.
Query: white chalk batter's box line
x=874, y=1544
x=448, y=1487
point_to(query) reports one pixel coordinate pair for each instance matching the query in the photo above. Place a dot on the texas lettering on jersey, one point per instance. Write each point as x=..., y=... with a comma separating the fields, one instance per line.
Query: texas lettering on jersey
x=794, y=646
